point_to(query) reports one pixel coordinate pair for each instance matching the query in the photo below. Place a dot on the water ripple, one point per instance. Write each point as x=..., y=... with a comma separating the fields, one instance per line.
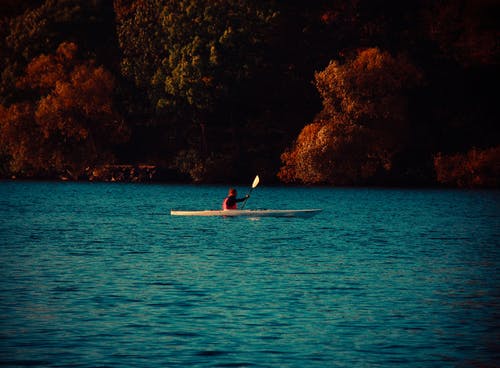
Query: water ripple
x=100, y=275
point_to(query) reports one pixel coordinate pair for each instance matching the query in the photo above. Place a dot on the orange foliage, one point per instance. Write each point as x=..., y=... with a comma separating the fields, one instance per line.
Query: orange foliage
x=476, y=168
x=123, y=8
x=465, y=30
x=362, y=125
x=73, y=124
x=334, y=152
x=329, y=16
x=300, y=162
x=45, y=71
x=367, y=88
x=17, y=121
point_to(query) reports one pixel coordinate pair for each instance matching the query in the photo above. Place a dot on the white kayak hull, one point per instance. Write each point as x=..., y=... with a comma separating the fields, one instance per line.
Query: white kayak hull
x=249, y=213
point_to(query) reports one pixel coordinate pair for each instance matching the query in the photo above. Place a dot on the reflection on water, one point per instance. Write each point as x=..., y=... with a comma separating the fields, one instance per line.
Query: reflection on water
x=101, y=275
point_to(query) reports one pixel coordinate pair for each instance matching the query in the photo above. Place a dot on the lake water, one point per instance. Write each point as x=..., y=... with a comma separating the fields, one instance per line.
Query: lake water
x=100, y=275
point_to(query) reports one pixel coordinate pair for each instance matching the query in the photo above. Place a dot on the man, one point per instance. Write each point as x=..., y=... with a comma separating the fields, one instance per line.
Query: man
x=230, y=202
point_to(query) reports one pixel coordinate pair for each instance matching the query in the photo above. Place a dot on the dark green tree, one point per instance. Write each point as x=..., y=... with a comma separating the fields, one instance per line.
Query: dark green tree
x=190, y=56
x=190, y=53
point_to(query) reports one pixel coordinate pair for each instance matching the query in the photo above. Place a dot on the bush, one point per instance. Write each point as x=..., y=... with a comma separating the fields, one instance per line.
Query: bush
x=476, y=168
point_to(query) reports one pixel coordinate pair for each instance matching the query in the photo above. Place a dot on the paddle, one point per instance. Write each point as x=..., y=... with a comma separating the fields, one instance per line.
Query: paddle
x=254, y=184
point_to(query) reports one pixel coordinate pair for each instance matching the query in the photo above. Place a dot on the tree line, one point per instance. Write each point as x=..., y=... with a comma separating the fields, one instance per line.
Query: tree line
x=350, y=92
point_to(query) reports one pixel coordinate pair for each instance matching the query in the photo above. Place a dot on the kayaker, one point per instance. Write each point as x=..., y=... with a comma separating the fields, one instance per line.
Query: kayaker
x=230, y=202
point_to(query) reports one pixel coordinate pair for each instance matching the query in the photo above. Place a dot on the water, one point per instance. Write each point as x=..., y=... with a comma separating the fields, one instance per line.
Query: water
x=99, y=275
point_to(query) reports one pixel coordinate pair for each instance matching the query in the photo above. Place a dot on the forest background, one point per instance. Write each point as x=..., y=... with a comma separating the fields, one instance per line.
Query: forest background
x=338, y=92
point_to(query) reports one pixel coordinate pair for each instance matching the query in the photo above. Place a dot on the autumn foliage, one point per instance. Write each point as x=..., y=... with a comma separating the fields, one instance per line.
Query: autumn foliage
x=465, y=30
x=476, y=168
x=70, y=125
x=19, y=134
x=363, y=124
x=347, y=92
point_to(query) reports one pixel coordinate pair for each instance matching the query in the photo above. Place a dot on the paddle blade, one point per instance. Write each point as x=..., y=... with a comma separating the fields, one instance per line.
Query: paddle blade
x=255, y=182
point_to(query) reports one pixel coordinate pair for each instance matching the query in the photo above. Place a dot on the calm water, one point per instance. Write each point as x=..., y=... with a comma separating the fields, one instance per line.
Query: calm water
x=96, y=275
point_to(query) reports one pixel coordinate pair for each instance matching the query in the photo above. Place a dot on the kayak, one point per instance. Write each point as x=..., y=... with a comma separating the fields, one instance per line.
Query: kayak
x=249, y=213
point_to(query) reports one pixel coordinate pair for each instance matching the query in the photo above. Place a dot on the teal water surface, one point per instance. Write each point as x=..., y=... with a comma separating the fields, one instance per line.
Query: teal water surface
x=99, y=275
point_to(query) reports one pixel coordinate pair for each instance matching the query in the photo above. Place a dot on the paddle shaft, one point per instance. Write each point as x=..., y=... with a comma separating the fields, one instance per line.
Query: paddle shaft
x=254, y=184
x=244, y=203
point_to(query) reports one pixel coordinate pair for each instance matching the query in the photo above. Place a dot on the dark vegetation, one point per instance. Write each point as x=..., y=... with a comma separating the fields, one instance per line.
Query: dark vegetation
x=353, y=92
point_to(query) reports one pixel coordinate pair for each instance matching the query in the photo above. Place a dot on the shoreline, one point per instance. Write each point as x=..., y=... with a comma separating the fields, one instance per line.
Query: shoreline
x=272, y=184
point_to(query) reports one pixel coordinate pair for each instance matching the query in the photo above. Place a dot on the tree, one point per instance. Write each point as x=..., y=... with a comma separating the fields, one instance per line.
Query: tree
x=189, y=53
x=476, y=168
x=20, y=139
x=189, y=56
x=73, y=124
x=465, y=30
x=42, y=26
x=363, y=124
